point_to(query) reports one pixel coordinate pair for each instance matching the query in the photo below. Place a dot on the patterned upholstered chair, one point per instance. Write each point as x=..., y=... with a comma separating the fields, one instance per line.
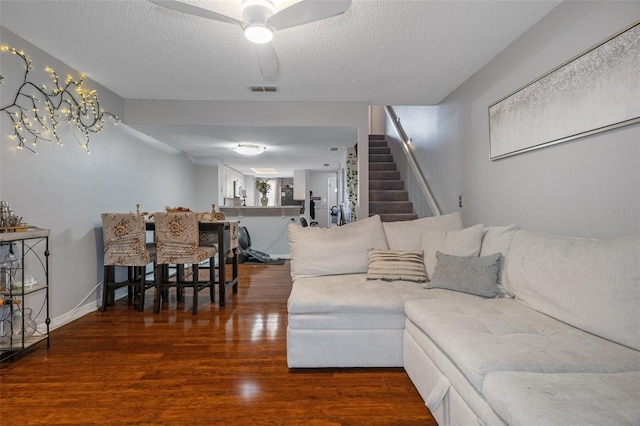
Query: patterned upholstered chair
x=177, y=242
x=125, y=244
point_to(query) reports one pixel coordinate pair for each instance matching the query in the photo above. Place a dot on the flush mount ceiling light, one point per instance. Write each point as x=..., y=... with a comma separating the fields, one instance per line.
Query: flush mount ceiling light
x=249, y=149
x=265, y=171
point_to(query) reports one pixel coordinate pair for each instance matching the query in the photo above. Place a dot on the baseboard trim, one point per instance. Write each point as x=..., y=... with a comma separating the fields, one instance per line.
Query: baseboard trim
x=82, y=310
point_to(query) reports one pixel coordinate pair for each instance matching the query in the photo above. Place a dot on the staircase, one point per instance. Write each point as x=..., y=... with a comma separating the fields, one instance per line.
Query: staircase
x=387, y=196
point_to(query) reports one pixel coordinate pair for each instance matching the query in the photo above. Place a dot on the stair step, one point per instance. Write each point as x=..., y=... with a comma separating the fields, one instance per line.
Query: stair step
x=398, y=217
x=377, y=137
x=382, y=167
x=380, y=158
x=388, y=196
x=384, y=175
x=379, y=150
x=382, y=185
x=378, y=144
x=380, y=207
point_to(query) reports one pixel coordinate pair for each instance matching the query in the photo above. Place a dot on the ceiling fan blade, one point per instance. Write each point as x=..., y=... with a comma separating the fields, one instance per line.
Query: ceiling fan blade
x=267, y=59
x=196, y=11
x=306, y=11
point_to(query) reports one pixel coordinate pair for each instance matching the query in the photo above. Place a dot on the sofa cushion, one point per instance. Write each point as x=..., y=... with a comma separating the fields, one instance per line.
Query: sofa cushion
x=564, y=399
x=351, y=293
x=464, y=242
x=497, y=239
x=591, y=284
x=486, y=335
x=468, y=274
x=407, y=235
x=396, y=265
x=337, y=250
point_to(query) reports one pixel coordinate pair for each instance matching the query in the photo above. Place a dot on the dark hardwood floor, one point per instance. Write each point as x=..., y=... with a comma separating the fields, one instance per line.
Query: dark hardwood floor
x=222, y=366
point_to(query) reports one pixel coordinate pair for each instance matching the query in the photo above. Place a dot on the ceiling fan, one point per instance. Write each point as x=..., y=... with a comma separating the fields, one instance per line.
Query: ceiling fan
x=259, y=21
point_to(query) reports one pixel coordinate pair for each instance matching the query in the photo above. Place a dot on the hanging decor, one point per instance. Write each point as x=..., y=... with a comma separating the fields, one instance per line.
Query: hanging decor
x=594, y=92
x=36, y=109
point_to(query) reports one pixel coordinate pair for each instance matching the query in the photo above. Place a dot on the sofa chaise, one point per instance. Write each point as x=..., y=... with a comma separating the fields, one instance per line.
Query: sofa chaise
x=501, y=326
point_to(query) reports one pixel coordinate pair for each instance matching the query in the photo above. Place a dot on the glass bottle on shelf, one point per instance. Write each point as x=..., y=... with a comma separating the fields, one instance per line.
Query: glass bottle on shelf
x=22, y=318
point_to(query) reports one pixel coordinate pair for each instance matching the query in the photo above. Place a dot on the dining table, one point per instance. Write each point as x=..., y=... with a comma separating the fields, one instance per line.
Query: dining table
x=226, y=239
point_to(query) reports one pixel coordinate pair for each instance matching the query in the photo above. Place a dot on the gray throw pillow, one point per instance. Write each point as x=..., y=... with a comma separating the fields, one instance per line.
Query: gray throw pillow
x=468, y=274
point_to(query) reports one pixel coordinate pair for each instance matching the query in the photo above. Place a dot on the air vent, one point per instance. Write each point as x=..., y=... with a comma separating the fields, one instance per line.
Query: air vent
x=326, y=164
x=263, y=89
x=333, y=149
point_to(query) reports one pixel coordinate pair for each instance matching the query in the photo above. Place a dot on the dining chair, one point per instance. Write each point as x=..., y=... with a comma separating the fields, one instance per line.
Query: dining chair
x=177, y=243
x=124, y=242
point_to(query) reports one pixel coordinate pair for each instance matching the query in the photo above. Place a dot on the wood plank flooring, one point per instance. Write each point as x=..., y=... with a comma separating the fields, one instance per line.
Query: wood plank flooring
x=222, y=366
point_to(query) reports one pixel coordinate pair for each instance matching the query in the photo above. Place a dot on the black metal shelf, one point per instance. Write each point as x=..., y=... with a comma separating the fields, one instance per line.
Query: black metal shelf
x=33, y=246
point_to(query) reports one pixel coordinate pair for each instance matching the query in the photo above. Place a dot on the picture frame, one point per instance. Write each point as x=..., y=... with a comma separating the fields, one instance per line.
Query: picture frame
x=237, y=189
x=596, y=91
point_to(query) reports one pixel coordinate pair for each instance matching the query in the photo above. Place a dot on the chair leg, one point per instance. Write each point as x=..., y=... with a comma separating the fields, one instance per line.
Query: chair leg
x=196, y=284
x=141, y=287
x=105, y=288
x=212, y=280
x=159, y=273
x=131, y=276
x=180, y=279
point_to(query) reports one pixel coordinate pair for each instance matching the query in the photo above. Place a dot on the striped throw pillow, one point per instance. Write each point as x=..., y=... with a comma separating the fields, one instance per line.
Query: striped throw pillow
x=396, y=265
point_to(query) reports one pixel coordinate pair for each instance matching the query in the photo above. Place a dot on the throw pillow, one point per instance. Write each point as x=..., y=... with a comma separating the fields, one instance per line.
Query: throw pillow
x=465, y=242
x=468, y=274
x=497, y=239
x=396, y=265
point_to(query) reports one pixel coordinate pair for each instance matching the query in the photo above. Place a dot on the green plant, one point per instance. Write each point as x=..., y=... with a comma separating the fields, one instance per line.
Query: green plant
x=263, y=186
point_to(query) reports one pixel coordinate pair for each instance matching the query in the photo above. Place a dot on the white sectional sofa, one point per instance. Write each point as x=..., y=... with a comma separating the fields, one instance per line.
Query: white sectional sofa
x=547, y=332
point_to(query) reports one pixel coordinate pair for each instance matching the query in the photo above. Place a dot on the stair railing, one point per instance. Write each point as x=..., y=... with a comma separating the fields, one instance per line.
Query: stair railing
x=406, y=142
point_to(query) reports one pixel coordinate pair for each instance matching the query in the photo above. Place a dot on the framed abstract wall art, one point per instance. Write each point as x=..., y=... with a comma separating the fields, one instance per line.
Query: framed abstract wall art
x=596, y=91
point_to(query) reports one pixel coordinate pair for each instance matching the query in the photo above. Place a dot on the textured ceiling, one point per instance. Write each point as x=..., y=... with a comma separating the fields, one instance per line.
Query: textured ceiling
x=389, y=52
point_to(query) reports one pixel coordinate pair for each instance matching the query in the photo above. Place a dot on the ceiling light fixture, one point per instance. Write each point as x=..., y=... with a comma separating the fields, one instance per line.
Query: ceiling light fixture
x=264, y=171
x=256, y=13
x=258, y=33
x=249, y=149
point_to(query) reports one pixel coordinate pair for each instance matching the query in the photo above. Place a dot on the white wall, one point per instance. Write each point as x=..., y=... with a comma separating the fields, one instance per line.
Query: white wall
x=377, y=120
x=206, y=188
x=65, y=189
x=586, y=187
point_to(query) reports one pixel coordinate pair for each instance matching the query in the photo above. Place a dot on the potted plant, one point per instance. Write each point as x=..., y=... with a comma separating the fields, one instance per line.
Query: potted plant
x=263, y=187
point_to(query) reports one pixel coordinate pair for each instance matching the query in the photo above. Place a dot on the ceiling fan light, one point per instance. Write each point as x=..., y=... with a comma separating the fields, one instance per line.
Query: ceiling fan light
x=258, y=33
x=249, y=149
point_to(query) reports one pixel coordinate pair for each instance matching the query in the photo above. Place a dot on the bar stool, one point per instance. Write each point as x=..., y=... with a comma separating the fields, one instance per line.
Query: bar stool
x=177, y=243
x=124, y=237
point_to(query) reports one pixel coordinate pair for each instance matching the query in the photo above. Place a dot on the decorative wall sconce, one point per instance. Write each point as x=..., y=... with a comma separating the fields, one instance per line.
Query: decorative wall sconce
x=36, y=110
